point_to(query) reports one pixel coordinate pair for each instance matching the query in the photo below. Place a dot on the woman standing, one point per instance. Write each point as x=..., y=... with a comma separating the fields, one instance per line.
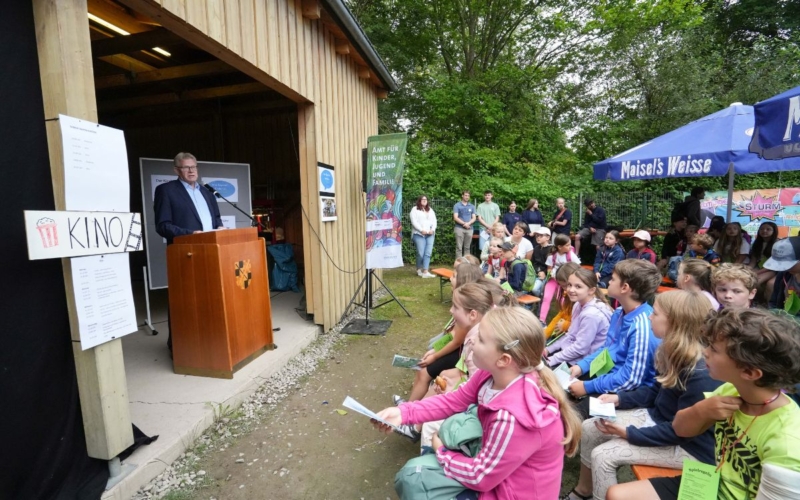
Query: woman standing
x=423, y=222
x=511, y=218
x=532, y=215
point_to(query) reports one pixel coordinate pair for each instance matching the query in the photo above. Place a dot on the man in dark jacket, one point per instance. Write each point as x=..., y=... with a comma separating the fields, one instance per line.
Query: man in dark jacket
x=692, y=203
x=594, y=225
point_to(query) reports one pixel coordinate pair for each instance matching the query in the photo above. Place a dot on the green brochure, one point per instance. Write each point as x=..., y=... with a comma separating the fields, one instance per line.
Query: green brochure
x=602, y=364
x=792, y=304
x=507, y=287
x=699, y=481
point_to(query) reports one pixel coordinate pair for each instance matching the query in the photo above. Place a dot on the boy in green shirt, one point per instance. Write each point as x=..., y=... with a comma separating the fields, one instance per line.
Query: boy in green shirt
x=757, y=355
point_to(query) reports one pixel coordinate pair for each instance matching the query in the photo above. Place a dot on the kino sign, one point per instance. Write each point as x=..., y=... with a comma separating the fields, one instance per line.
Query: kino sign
x=53, y=235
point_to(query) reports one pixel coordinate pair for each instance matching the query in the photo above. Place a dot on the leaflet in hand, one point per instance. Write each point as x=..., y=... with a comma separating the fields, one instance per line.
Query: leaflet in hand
x=564, y=376
x=602, y=410
x=405, y=362
x=359, y=408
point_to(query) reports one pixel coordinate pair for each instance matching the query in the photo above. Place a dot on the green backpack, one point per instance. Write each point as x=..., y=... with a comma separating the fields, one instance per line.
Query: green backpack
x=530, y=274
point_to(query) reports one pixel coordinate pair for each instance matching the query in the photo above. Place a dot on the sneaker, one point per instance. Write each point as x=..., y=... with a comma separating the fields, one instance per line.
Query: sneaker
x=427, y=275
x=408, y=430
x=419, y=272
x=397, y=400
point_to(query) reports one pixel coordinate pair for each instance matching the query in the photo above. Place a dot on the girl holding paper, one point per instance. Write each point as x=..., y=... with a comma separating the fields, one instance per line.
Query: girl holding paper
x=645, y=435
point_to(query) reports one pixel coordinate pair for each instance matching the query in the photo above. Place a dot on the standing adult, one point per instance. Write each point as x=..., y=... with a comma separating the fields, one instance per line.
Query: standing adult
x=511, y=218
x=594, y=225
x=672, y=241
x=692, y=206
x=463, y=216
x=183, y=206
x=532, y=216
x=488, y=213
x=562, y=220
x=423, y=224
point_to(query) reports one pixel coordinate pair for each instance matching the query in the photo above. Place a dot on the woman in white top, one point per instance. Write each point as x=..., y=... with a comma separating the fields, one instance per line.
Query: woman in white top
x=423, y=222
x=524, y=247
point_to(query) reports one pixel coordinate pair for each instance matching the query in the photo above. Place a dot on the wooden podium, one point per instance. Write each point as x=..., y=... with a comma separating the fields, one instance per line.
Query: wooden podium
x=219, y=304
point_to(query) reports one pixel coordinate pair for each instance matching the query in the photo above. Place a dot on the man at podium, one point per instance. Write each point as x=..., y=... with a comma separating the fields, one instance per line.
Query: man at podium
x=183, y=206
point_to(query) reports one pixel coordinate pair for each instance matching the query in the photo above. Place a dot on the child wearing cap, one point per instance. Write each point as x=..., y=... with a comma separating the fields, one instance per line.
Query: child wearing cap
x=785, y=260
x=514, y=275
x=641, y=247
x=541, y=250
x=702, y=247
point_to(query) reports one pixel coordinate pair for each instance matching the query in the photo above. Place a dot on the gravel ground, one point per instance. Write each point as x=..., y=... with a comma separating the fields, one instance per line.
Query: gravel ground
x=291, y=439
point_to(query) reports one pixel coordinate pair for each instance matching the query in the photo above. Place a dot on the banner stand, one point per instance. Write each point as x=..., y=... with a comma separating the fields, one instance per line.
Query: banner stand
x=148, y=322
x=365, y=326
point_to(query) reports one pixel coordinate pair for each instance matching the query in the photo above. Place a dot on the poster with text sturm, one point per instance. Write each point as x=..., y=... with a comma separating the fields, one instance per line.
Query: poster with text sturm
x=385, y=161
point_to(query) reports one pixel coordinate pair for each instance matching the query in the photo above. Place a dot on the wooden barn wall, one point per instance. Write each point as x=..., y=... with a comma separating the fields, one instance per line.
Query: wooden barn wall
x=337, y=111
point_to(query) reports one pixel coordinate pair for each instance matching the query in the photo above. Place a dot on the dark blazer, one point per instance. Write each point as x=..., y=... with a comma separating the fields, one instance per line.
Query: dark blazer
x=175, y=212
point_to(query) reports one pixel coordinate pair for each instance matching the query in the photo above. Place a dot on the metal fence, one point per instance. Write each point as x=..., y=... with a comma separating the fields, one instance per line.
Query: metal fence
x=634, y=210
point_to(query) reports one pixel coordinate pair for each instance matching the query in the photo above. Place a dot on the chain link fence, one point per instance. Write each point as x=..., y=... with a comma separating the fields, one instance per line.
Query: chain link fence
x=634, y=210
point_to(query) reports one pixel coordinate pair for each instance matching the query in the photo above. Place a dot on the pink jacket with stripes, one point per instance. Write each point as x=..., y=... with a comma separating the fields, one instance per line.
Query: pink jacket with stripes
x=521, y=456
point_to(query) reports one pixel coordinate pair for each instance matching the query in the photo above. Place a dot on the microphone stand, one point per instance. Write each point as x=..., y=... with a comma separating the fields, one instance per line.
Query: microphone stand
x=255, y=223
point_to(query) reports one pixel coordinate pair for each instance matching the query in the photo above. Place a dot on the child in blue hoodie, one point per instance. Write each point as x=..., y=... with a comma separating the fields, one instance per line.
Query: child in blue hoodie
x=630, y=343
x=607, y=258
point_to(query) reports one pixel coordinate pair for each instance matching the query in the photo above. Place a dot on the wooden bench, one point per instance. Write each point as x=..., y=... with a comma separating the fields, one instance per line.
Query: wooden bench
x=528, y=300
x=647, y=472
x=667, y=281
x=444, y=275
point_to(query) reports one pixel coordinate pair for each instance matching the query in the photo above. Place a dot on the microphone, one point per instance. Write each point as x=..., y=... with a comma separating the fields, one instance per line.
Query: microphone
x=213, y=191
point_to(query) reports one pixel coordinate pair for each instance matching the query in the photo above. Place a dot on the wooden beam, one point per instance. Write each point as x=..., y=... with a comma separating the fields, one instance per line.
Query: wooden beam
x=342, y=47
x=128, y=63
x=172, y=73
x=145, y=40
x=119, y=16
x=364, y=72
x=381, y=93
x=65, y=66
x=189, y=95
x=311, y=9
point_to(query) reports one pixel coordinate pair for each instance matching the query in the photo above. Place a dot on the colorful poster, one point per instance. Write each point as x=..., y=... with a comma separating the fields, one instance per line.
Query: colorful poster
x=385, y=161
x=751, y=208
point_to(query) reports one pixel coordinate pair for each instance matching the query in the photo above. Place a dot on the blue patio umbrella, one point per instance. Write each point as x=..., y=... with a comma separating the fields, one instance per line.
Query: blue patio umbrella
x=711, y=146
x=777, y=126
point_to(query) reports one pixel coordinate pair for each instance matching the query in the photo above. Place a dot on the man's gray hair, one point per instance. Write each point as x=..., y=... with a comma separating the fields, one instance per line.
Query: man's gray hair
x=183, y=156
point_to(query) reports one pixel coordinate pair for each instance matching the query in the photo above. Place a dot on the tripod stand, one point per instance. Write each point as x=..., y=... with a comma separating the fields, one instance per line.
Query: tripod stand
x=365, y=326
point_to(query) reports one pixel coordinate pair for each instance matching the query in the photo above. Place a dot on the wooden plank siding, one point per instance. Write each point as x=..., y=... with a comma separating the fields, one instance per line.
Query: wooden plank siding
x=271, y=41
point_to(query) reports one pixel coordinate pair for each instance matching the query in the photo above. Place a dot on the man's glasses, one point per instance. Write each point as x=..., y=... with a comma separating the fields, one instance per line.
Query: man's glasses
x=188, y=169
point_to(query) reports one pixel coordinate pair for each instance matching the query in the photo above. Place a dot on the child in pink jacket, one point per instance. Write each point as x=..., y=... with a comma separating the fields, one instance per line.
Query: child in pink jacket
x=526, y=419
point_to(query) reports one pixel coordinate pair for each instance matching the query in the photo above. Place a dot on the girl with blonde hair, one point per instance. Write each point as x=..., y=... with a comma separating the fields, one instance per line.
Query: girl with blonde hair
x=645, y=435
x=528, y=424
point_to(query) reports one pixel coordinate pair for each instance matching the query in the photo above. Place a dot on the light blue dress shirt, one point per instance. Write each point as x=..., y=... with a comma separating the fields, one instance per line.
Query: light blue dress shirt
x=200, y=204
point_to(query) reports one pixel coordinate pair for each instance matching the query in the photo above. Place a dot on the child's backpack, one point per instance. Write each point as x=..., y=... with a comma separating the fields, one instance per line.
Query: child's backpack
x=530, y=274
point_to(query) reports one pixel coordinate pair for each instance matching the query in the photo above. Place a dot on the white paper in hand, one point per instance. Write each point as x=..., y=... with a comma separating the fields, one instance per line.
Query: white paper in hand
x=563, y=375
x=602, y=410
x=359, y=408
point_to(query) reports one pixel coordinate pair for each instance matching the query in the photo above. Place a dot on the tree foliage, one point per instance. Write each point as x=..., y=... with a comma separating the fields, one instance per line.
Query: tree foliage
x=523, y=96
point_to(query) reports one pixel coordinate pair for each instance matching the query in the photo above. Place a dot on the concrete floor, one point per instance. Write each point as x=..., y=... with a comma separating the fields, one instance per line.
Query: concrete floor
x=178, y=408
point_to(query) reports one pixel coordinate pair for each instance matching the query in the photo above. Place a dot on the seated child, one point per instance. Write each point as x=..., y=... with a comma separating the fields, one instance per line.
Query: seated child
x=682, y=250
x=647, y=437
x=641, y=247
x=590, y=316
x=694, y=275
x=495, y=262
x=513, y=274
x=498, y=231
x=561, y=254
x=735, y=285
x=607, y=257
x=528, y=423
x=785, y=261
x=702, y=247
x=560, y=324
x=757, y=427
x=630, y=342
x=541, y=250
x=731, y=246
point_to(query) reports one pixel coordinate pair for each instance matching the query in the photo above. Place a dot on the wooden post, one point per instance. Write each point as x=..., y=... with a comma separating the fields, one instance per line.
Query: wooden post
x=65, y=64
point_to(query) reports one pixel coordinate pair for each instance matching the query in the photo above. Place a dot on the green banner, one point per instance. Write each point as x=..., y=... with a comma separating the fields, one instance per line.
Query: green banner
x=385, y=161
